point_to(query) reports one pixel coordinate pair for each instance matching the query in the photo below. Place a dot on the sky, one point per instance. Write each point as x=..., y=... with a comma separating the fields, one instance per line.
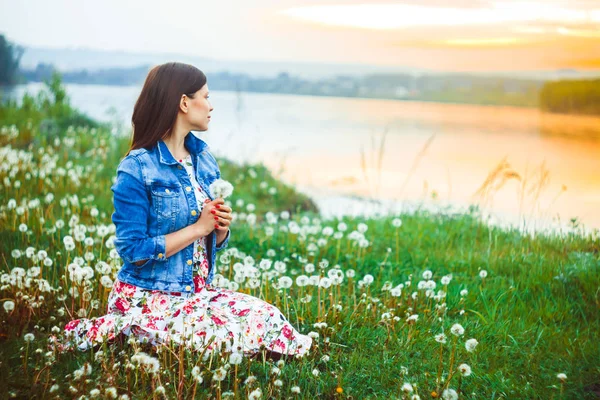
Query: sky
x=453, y=35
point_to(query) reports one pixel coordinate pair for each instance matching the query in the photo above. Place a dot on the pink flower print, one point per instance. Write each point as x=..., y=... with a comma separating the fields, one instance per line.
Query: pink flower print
x=278, y=344
x=106, y=327
x=125, y=288
x=243, y=313
x=71, y=325
x=217, y=320
x=218, y=316
x=92, y=333
x=122, y=305
x=199, y=282
x=188, y=308
x=151, y=322
x=159, y=302
x=218, y=296
x=287, y=332
x=257, y=324
x=204, y=266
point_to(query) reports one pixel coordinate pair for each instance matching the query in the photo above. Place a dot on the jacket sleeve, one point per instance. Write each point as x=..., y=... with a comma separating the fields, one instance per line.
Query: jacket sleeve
x=130, y=216
x=225, y=242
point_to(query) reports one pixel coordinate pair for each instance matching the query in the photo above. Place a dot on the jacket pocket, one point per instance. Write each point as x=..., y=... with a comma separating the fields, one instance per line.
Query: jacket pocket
x=143, y=267
x=165, y=197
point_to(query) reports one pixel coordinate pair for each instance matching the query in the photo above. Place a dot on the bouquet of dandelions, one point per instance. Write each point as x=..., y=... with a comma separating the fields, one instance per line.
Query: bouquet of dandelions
x=221, y=188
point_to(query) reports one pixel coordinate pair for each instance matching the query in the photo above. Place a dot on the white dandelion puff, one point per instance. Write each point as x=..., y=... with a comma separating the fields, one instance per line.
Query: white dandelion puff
x=221, y=188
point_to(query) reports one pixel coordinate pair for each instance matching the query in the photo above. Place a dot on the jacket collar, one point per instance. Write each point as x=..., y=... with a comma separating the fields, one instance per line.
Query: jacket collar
x=194, y=144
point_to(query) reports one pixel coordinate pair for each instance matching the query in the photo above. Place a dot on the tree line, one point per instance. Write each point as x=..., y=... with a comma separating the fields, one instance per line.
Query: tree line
x=571, y=96
x=565, y=96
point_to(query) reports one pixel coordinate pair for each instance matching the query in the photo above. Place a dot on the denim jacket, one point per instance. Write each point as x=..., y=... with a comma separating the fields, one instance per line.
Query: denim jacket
x=153, y=196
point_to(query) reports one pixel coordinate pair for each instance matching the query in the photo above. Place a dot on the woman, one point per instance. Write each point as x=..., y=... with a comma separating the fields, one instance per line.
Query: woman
x=169, y=228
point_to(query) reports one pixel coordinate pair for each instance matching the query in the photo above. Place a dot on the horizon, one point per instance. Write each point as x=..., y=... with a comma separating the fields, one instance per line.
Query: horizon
x=461, y=36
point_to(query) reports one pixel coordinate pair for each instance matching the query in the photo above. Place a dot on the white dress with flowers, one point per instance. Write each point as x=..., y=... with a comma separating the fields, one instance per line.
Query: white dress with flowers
x=208, y=318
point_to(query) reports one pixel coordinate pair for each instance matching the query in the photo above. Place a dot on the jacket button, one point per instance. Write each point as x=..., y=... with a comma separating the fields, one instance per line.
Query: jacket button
x=188, y=287
x=167, y=191
x=189, y=262
x=160, y=255
x=194, y=212
x=180, y=167
x=189, y=189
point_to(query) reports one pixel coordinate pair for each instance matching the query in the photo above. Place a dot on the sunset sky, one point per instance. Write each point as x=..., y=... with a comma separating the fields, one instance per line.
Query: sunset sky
x=476, y=35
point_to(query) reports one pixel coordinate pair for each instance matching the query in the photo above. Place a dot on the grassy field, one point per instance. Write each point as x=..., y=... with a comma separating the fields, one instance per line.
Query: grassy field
x=402, y=307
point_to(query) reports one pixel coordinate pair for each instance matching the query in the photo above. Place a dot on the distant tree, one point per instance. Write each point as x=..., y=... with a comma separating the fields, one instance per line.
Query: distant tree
x=10, y=57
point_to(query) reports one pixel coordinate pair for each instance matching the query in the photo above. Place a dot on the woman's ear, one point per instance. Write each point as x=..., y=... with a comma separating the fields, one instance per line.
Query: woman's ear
x=183, y=103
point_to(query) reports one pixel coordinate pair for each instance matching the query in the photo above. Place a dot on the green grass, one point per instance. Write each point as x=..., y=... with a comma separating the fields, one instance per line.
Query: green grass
x=535, y=315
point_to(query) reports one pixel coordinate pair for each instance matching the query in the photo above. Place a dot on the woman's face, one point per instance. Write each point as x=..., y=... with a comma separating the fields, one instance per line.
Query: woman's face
x=198, y=109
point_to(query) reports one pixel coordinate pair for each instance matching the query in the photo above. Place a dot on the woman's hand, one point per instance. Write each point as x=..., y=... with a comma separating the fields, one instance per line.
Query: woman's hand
x=223, y=216
x=215, y=215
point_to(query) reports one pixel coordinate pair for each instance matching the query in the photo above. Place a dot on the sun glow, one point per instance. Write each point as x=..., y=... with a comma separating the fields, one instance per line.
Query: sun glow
x=398, y=16
x=481, y=42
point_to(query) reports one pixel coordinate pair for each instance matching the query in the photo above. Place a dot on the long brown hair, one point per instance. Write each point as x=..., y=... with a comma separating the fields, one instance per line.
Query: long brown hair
x=156, y=108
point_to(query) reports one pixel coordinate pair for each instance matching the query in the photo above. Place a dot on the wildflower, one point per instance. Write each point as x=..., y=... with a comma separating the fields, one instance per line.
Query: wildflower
x=413, y=318
x=278, y=382
x=415, y=397
x=339, y=390
x=450, y=394
x=255, y=394
x=235, y=358
x=221, y=188
x=219, y=374
x=464, y=369
x=250, y=380
x=313, y=334
x=471, y=344
x=9, y=305
x=427, y=274
x=150, y=363
x=482, y=273
x=396, y=222
x=441, y=338
x=285, y=282
x=94, y=393
x=446, y=279
x=368, y=279
x=295, y=389
x=457, y=330
x=464, y=292
x=324, y=282
x=315, y=372
x=301, y=280
x=111, y=393
x=562, y=377
x=362, y=227
x=407, y=388
x=275, y=371
x=29, y=337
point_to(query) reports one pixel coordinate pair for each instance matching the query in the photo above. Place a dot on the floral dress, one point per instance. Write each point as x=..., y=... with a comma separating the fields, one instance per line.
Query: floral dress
x=211, y=317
